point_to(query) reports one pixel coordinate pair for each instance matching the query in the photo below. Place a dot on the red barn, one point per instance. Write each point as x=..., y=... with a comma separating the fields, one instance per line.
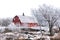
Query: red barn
x=25, y=20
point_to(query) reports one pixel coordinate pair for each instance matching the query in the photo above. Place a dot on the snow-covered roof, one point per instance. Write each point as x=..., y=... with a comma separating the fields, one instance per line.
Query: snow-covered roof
x=27, y=19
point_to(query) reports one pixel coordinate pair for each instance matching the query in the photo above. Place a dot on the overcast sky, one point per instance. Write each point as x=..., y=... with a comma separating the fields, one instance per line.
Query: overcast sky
x=10, y=8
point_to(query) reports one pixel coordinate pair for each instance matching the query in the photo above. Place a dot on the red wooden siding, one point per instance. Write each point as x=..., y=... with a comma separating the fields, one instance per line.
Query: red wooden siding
x=32, y=24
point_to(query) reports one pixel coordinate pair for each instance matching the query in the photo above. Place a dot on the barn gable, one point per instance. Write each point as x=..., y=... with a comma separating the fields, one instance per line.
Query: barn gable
x=16, y=20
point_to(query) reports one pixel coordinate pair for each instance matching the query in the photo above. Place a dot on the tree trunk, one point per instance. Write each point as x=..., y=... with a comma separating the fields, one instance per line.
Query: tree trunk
x=50, y=30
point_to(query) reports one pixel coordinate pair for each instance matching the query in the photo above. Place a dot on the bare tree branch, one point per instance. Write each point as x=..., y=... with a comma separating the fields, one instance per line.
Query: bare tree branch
x=49, y=14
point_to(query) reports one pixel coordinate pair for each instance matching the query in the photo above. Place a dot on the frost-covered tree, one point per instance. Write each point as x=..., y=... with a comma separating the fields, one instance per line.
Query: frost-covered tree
x=47, y=13
x=5, y=22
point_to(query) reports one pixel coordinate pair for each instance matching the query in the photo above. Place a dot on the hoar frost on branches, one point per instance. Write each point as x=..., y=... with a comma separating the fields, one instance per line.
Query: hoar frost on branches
x=48, y=14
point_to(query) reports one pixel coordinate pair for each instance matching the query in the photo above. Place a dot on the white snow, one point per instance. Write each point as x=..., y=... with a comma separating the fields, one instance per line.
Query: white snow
x=9, y=33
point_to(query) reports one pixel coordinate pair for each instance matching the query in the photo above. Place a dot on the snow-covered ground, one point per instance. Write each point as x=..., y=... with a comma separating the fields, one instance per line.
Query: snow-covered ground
x=14, y=28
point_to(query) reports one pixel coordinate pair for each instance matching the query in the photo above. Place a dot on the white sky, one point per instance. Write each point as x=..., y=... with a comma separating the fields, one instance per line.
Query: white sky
x=10, y=8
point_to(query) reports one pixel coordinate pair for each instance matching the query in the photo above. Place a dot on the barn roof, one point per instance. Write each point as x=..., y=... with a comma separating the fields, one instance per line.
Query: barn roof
x=27, y=19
